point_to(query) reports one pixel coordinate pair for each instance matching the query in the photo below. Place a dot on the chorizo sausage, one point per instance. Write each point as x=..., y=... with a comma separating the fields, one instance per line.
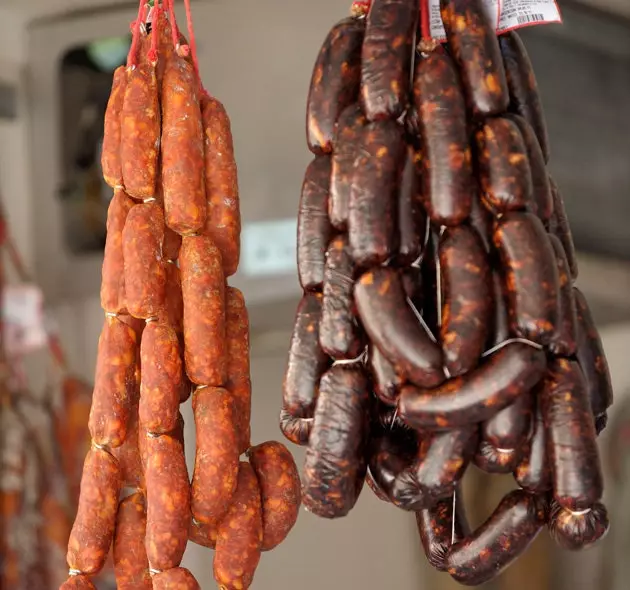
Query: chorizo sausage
x=223, y=217
x=524, y=97
x=128, y=454
x=578, y=531
x=115, y=383
x=216, y=458
x=592, y=358
x=79, y=582
x=172, y=313
x=394, y=329
x=385, y=379
x=239, y=381
x=130, y=555
x=472, y=39
x=314, y=229
x=510, y=428
x=481, y=220
x=93, y=530
x=386, y=57
x=203, y=290
x=446, y=156
x=473, y=398
x=375, y=184
x=171, y=245
x=533, y=473
x=178, y=578
x=530, y=276
x=140, y=132
x=466, y=298
x=564, y=341
x=346, y=145
x=240, y=535
x=339, y=333
x=571, y=442
x=204, y=535
x=110, y=151
x=296, y=430
x=168, y=502
x=334, y=83
x=182, y=149
x=113, y=283
x=498, y=541
x=504, y=171
x=500, y=322
x=491, y=459
x=161, y=380
x=412, y=221
x=280, y=490
x=559, y=225
x=335, y=466
x=145, y=276
x=307, y=361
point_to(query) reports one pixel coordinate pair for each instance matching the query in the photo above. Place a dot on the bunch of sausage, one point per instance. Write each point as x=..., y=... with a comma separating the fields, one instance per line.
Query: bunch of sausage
x=440, y=324
x=173, y=327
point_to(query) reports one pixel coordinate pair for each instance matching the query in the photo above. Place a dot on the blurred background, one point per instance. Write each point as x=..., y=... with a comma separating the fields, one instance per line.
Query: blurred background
x=56, y=62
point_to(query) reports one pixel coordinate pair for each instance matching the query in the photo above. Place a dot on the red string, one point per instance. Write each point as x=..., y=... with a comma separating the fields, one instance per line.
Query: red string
x=133, y=50
x=192, y=42
x=155, y=31
x=425, y=25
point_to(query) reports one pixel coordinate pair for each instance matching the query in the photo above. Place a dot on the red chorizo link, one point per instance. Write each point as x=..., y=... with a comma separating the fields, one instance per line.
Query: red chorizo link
x=530, y=277
x=335, y=465
x=280, y=490
x=161, y=381
x=339, y=333
x=128, y=454
x=314, y=228
x=542, y=199
x=334, y=83
x=115, y=383
x=239, y=382
x=590, y=354
x=524, y=97
x=307, y=361
x=172, y=314
x=577, y=531
x=172, y=244
x=240, y=535
x=472, y=39
x=113, y=283
x=203, y=289
x=571, y=442
x=145, y=277
x=473, y=398
x=559, y=225
x=446, y=157
x=144, y=438
x=394, y=329
x=168, y=502
x=386, y=57
x=93, y=529
x=564, y=341
x=374, y=191
x=498, y=541
x=466, y=298
x=78, y=583
x=505, y=174
x=533, y=473
x=412, y=220
x=110, y=151
x=346, y=144
x=385, y=379
x=182, y=149
x=140, y=132
x=216, y=459
x=296, y=430
x=178, y=578
x=223, y=218
x=130, y=556
x=436, y=528
x=204, y=535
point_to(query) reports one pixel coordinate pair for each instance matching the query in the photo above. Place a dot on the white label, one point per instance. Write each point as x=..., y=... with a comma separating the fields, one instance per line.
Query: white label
x=25, y=329
x=269, y=248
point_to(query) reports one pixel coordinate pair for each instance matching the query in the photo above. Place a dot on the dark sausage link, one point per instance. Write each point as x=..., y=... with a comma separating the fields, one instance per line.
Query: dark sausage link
x=559, y=225
x=510, y=427
x=500, y=322
x=296, y=430
x=492, y=459
x=385, y=379
x=577, y=531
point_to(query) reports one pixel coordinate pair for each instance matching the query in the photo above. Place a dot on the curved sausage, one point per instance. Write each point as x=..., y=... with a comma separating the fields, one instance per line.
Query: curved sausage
x=498, y=541
x=510, y=428
x=386, y=57
x=524, y=97
x=375, y=185
x=334, y=83
x=473, y=41
x=335, y=465
x=473, y=398
x=466, y=298
x=385, y=379
x=394, y=329
x=296, y=430
x=559, y=225
x=446, y=157
x=177, y=578
x=530, y=274
x=578, y=531
x=571, y=438
x=314, y=229
x=110, y=151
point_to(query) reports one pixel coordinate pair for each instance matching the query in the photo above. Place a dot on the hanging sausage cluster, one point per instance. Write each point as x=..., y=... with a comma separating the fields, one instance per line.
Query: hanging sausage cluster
x=440, y=325
x=173, y=327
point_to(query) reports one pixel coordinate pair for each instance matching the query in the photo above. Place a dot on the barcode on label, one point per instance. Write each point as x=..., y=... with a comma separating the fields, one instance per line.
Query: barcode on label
x=530, y=18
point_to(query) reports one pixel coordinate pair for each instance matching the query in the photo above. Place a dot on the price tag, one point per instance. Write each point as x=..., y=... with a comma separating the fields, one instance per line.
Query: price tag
x=23, y=317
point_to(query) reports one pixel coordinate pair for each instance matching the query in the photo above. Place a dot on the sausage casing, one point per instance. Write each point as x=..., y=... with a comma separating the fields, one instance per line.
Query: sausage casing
x=296, y=430
x=559, y=225
x=110, y=151
x=578, y=531
x=78, y=583
x=177, y=578
x=385, y=379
